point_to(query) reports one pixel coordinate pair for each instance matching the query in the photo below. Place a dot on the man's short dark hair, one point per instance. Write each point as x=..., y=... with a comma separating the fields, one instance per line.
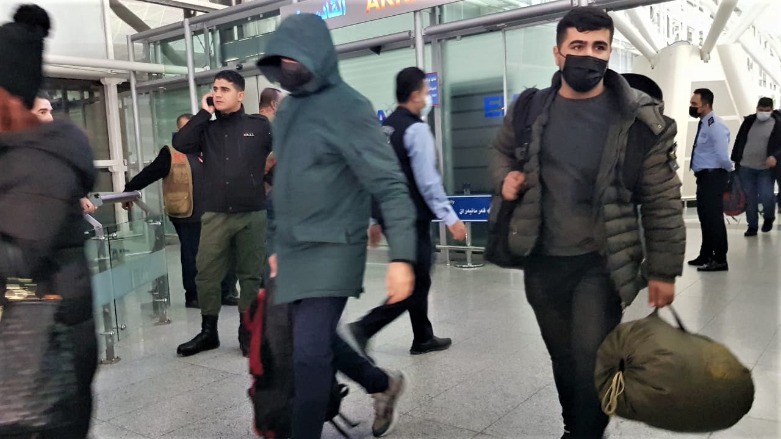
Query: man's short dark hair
x=584, y=19
x=706, y=95
x=408, y=81
x=765, y=103
x=43, y=95
x=268, y=96
x=187, y=116
x=231, y=76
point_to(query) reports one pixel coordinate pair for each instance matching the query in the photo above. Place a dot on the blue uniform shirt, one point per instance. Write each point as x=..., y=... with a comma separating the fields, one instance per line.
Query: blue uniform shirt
x=712, y=145
x=419, y=143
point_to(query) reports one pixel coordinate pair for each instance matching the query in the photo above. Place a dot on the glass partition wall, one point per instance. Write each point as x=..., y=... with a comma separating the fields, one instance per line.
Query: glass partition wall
x=479, y=73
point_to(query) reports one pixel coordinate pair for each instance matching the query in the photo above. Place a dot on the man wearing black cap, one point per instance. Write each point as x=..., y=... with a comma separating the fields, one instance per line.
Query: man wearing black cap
x=45, y=168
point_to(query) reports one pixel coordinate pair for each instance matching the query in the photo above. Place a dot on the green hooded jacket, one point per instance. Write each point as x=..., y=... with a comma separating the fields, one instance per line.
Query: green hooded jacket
x=331, y=157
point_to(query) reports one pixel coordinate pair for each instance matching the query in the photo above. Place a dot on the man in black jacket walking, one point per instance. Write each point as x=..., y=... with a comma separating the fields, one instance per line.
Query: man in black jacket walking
x=756, y=154
x=188, y=228
x=234, y=146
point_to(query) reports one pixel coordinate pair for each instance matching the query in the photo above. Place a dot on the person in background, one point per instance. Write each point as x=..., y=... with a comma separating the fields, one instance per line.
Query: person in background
x=183, y=175
x=413, y=144
x=756, y=154
x=270, y=98
x=711, y=165
x=331, y=159
x=235, y=146
x=45, y=169
x=576, y=215
x=42, y=109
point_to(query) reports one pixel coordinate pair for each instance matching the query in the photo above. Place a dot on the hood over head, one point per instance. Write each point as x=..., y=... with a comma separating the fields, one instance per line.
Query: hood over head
x=61, y=139
x=304, y=38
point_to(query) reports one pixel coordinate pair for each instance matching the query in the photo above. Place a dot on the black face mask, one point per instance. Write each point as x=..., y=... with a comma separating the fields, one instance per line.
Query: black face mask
x=293, y=76
x=583, y=73
x=694, y=112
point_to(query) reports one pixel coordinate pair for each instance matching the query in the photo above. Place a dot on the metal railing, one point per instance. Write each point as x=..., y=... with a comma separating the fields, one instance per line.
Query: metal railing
x=125, y=260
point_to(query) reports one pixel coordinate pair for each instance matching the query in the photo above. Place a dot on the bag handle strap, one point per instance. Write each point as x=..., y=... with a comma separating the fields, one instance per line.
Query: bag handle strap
x=675, y=316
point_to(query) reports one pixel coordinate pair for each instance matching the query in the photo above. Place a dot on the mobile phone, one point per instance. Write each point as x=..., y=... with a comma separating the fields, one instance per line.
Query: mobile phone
x=210, y=101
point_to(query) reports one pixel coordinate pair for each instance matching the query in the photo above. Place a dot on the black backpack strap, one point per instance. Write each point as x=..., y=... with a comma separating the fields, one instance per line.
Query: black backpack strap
x=527, y=108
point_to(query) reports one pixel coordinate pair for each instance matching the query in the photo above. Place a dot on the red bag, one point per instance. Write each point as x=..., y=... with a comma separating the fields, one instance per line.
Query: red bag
x=734, y=197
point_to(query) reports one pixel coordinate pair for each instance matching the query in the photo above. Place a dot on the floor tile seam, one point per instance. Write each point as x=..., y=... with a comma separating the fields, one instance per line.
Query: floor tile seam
x=762, y=419
x=716, y=314
x=189, y=363
x=218, y=414
x=121, y=427
x=485, y=430
x=155, y=375
x=438, y=421
x=159, y=398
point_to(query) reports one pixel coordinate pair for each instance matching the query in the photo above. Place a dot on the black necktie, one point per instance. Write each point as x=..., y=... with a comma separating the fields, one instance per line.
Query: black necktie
x=696, y=136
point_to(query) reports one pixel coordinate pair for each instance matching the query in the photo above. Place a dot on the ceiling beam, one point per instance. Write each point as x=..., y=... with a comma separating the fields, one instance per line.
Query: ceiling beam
x=194, y=5
x=720, y=19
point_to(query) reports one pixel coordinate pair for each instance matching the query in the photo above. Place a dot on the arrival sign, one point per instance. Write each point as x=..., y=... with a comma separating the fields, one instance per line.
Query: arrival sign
x=341, y=13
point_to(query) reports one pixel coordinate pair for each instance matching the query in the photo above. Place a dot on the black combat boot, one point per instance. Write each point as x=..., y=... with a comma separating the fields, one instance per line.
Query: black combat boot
x=244, y=338
x=207, y=339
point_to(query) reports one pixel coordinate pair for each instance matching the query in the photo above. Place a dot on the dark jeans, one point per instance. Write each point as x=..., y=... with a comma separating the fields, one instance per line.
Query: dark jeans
x=416, y=303
x=711, y=185
x=189, y=234
x=318, y=352
x=758, y=187
x=576, y=308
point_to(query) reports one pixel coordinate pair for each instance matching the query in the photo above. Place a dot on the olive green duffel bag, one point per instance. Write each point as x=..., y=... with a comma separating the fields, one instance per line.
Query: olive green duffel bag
x=650, y=371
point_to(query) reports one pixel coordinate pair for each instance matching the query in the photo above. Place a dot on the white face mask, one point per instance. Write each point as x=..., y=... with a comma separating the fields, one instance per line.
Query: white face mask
x=427, y=109
x=763, y=116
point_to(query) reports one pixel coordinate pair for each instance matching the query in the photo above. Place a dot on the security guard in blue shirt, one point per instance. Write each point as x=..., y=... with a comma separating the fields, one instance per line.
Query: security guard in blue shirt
x=711, y=165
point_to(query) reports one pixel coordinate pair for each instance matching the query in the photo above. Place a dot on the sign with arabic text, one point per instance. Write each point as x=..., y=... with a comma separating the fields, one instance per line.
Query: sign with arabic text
x=433, y=88
x=341, y=13
x=471, y=208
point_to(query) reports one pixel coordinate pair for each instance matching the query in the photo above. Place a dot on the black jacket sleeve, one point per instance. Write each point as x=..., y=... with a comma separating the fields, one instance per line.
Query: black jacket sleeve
x=158, y=169
x=190, y=138
x=740, y=140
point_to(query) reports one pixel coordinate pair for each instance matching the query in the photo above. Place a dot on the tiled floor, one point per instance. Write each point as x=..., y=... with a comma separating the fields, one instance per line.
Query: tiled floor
x=495, y=382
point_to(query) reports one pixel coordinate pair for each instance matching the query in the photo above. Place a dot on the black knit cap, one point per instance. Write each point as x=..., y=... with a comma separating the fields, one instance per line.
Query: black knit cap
x=21, y=52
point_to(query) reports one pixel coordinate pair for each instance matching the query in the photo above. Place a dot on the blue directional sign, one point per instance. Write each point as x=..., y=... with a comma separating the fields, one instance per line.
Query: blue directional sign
x=471, y=208
x=433, y=88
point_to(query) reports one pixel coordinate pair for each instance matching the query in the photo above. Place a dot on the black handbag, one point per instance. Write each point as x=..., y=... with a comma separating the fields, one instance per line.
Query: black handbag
x=37, y=366
x=497, y=248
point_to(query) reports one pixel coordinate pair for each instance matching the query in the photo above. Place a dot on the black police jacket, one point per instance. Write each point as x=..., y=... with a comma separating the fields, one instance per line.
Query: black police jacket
x=234, y=147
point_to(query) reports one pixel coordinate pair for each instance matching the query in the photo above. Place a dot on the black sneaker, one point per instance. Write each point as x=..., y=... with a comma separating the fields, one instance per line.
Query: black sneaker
x=385, y=414
x=435, y=344
x=768, y=225
x=699, y=262
x=361, y=340
x=192, y=304
x=750, y=232
x=714, y=266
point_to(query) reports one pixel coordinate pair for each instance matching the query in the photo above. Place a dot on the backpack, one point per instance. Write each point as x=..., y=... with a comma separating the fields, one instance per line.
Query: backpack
x=271, y=367
x=527, y=108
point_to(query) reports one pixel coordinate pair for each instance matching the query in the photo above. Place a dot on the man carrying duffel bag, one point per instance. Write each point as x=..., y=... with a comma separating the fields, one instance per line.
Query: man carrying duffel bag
x=573, y=162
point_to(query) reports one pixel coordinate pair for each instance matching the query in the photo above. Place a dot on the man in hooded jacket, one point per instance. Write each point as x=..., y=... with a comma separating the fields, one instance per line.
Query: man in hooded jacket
x=45, y=169
x=331, y=157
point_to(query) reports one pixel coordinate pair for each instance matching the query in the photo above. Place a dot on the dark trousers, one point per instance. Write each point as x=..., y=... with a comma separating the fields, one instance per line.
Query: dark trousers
x=189, y=234
x=576, y=308
x=711, y=185
x=318, y=352
x=417, y=303
x=758, y=187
